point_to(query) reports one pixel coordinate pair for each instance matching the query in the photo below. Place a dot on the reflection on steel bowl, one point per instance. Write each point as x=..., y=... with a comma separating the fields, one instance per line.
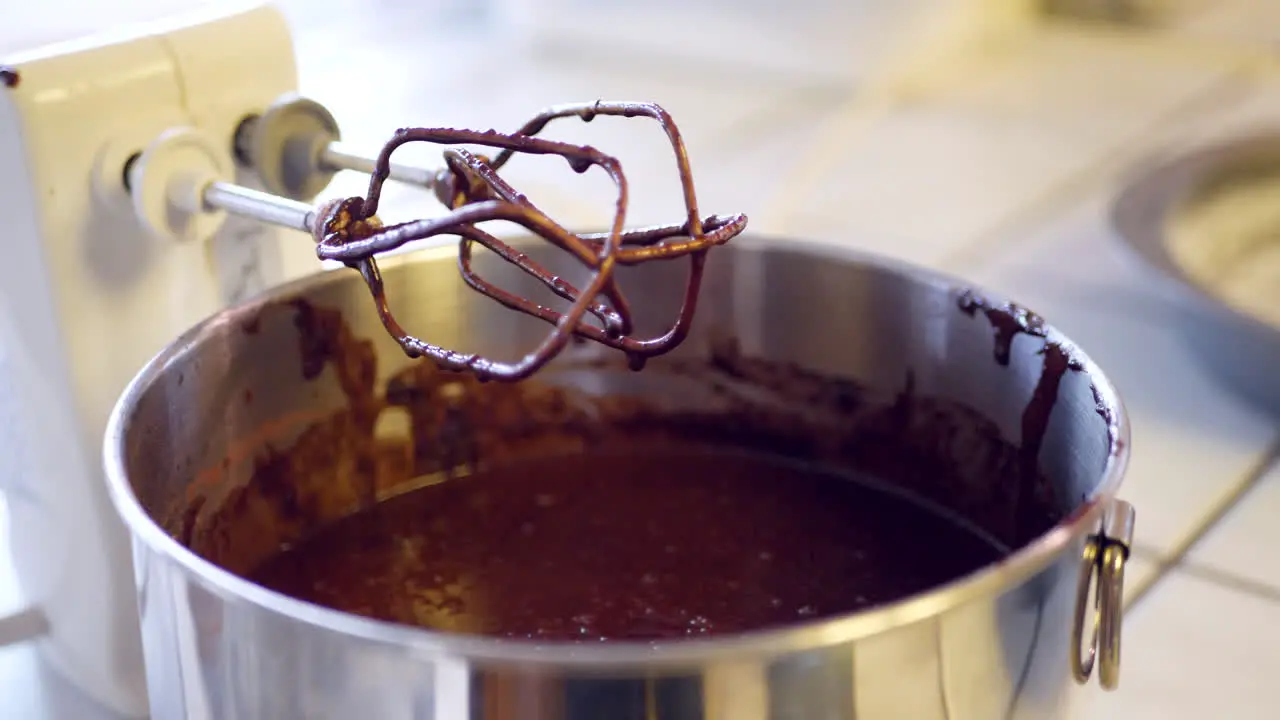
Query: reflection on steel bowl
x=857, y=490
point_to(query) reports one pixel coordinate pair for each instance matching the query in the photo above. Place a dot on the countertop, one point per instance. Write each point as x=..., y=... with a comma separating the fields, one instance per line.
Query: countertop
x=1000, y=172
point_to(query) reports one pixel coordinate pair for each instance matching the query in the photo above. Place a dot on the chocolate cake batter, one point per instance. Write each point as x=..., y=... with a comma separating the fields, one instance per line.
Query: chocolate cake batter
x=629, y=546
x=541, y=510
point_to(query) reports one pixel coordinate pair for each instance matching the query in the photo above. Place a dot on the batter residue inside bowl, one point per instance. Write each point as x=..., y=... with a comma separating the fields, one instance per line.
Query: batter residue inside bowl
x=706, y=495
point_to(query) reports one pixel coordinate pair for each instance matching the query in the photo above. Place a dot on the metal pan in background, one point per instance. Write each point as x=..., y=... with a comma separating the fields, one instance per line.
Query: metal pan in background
x=1194, y=220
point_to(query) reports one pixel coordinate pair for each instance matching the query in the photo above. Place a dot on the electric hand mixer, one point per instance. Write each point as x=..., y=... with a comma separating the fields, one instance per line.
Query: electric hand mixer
x=141, y=194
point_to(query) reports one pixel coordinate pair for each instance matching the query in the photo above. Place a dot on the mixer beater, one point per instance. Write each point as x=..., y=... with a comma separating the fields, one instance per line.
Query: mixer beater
x=295, y=146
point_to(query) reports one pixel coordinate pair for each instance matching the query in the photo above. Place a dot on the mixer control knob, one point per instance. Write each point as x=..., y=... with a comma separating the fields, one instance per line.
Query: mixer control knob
x=167, y=182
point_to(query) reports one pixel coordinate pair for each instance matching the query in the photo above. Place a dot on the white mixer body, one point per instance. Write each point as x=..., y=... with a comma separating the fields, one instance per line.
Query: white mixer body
x=87, y=296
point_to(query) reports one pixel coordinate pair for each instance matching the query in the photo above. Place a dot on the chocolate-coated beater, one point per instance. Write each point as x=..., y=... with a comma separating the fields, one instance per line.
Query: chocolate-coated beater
x=349, y=231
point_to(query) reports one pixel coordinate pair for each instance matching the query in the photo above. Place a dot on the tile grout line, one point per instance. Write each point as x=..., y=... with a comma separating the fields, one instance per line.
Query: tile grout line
x=1231, y=581
x=1208, y=521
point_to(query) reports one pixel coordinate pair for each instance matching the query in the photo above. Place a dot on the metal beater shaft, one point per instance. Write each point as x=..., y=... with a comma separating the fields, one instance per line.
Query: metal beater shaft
x=335, y=157
x=260, y=206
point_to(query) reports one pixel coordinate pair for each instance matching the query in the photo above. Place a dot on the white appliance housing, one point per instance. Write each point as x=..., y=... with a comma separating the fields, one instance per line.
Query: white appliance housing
x=87, y=296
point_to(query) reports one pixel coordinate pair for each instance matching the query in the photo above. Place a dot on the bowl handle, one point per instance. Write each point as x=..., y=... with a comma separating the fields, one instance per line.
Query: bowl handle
x=1102, y=565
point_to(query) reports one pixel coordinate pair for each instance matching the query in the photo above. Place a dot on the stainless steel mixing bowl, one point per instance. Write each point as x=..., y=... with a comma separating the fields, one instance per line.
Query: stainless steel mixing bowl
x=999, y=643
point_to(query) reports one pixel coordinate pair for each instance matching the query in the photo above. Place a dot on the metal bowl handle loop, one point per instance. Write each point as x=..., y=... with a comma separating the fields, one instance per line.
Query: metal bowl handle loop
x=1102, y=565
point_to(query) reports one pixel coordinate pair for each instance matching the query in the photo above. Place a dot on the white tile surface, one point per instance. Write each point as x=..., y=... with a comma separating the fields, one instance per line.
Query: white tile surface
x=1197, y=651
x=1096, y=90
x=1241, y=104
x=1255, y=24
x=1245, y=543
x=503, y=92
x=934, y=176
x=951, y=165
x=1191, y=441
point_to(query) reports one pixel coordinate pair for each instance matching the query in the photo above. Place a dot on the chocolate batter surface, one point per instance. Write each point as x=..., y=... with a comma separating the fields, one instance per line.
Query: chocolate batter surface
x=629, y=545
x=595, y=504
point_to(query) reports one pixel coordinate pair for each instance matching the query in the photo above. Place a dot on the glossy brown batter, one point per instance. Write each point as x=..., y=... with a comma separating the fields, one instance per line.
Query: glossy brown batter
x=639, y=545
x=586, y=506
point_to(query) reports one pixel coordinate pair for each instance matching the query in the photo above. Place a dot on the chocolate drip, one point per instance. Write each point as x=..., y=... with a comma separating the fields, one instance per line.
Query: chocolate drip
x=1035, y=419
x=1009, y=320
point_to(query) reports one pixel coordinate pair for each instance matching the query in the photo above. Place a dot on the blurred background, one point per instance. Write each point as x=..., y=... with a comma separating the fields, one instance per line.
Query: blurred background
x=985, y=138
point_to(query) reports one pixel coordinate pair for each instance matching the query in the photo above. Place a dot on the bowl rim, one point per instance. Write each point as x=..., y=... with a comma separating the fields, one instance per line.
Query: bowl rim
x=989, y=581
